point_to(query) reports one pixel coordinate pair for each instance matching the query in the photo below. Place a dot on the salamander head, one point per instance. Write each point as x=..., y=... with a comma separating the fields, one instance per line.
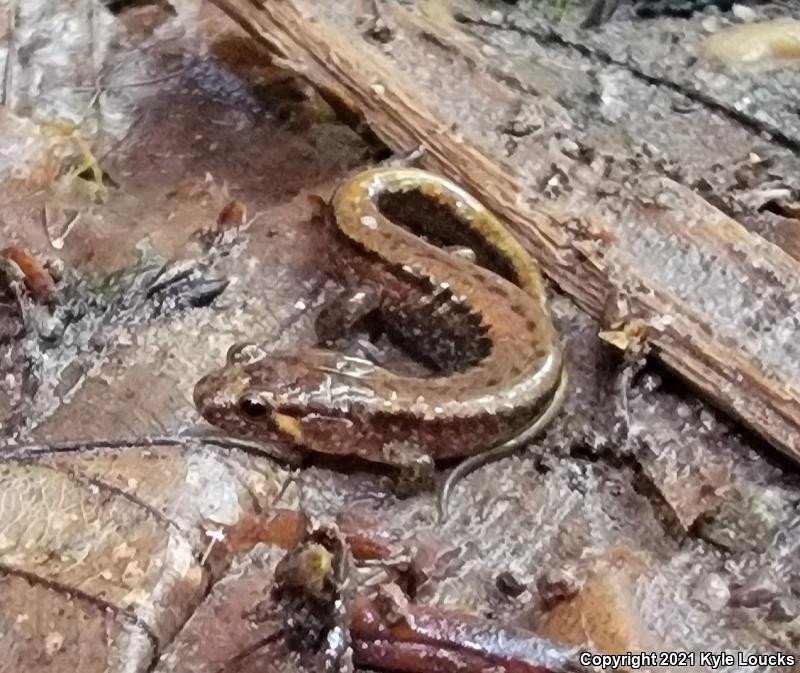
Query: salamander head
x=274, y=397
x=241, y=396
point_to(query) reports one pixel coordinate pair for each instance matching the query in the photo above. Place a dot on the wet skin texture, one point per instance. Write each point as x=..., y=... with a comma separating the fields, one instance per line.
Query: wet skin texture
x=481, y=326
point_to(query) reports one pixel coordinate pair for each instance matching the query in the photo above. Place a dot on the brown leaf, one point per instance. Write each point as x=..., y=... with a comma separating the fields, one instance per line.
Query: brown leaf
x=284, y=529
x=37, y=279
x=233, y=214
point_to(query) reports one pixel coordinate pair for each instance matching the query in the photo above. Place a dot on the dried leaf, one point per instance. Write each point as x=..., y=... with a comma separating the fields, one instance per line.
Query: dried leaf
x=37, y=279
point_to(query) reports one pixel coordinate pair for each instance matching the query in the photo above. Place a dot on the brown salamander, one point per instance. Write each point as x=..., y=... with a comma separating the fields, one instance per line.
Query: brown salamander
x=482, y=326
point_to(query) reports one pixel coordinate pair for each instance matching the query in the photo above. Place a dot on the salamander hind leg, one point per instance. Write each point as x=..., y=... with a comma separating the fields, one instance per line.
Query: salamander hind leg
x=416, y=469
x=344, y=312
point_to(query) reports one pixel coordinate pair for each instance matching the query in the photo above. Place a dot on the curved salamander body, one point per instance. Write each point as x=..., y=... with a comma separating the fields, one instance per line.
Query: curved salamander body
x=482, y=326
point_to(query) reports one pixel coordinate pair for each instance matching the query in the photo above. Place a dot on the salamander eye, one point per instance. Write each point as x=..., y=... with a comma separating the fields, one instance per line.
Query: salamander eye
x=254, y=408
x=245, y=353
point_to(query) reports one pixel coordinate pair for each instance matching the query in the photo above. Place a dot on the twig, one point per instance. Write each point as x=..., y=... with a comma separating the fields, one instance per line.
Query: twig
x=122, y=140
x=92, y=45
x=130, y=85
x=95, y=73
x=58, y=241
x=234, y=664
x=391, y=633
x=288, y=481
x=622, y=384
x=92, y=102
x=35, y=450
x=8, y=68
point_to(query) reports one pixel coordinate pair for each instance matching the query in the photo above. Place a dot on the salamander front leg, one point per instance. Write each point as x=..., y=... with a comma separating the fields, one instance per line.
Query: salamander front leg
x=347, y=310
x=462, y=252
x=600, y=12
x=416, y=469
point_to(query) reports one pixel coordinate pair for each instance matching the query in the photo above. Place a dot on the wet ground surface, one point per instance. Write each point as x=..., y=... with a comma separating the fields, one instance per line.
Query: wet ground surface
x=644, y=519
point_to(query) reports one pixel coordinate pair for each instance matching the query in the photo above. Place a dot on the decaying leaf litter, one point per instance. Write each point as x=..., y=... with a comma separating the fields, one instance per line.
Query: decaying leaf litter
x=644, y=520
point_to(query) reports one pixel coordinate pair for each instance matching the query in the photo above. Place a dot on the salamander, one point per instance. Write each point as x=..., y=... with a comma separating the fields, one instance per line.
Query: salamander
x=481, y=326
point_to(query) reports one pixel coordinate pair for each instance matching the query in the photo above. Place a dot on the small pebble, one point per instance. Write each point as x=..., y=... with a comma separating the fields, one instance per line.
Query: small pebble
x=97, y=341
x=783, y=609
x=744, y=13
x=712, y=591
x=55, y=267
x=747, y=518
x=759, y=589
x=49, y=328
x=510, y=585
x=554, y=589
x=710, y=24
